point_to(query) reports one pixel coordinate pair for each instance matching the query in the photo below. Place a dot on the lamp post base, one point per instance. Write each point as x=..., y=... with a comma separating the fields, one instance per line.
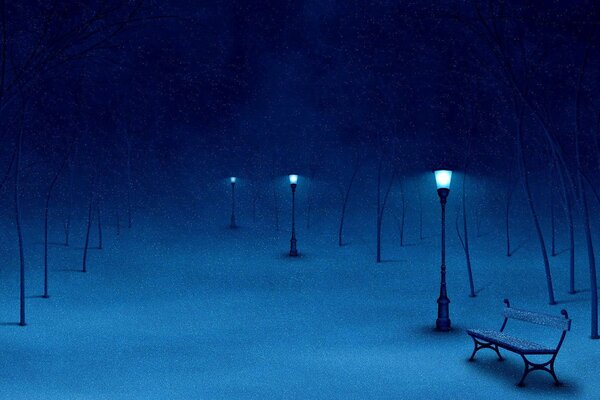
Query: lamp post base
x=293, y=249
x=443, y=323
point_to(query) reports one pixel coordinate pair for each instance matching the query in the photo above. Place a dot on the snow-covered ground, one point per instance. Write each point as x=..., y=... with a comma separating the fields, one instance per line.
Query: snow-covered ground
x=169, y=311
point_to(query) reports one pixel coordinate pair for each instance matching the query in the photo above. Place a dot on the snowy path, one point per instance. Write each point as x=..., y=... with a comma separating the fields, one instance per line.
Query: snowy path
x=203, y=321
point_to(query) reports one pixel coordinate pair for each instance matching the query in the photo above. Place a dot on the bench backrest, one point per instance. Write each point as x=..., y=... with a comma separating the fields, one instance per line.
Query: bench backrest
x=562, y=323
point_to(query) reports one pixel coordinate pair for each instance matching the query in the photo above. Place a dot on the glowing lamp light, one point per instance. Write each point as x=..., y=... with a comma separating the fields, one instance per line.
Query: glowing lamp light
x=233, y=179
x=293, y=179
x=443, y=178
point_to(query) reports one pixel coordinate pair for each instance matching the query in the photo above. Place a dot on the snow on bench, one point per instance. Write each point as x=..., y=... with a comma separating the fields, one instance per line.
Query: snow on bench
x=491, y=339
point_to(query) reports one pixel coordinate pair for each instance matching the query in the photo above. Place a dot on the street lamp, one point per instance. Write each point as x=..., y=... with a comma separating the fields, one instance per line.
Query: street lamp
x=233, y=225
x=442, y=180
x=293, y=184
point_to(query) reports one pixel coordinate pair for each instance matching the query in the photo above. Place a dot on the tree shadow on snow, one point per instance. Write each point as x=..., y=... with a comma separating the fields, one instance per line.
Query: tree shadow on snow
x=482, y=288
x=410, y=244
x=573, y=297
x=59, y=244
x=70, y=270
x=558, y=253
x=519, y=247
x=392, y=261
x=510, y=371
x=9, y=324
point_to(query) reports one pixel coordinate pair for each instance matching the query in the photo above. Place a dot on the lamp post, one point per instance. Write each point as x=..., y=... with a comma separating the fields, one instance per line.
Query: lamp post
x=293, y=184
x=442, y=180
x=233, y=225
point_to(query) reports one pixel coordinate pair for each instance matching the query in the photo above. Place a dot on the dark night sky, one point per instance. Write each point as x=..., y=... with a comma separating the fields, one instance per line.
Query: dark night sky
x=267, y=87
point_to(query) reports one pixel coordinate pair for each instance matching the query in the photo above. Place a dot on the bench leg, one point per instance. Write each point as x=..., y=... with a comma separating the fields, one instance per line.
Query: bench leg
x=548, y=366
x=483, y=345
x=525, y=373
x=556, y=381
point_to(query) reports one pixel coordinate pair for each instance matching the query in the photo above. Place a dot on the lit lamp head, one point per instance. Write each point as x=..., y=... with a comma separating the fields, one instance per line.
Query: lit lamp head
x=443, y=177
x=233, y=179
x=293, y=180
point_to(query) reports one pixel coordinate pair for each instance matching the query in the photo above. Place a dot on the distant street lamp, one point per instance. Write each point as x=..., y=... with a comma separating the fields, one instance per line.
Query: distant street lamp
x=293, y=184
x=442, y=180
x=233, y=225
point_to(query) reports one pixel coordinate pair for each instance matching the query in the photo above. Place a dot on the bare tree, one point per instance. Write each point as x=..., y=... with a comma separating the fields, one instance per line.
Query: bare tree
x=54, y=40
x=552, y=223
x=592, y=266
x=382, y=201
x=420, y=214
x=17, y=193
x=402, y=219
x=69, y=213
x=46, y=213
x=87, y=233
x=275, y=191
x=99, y=222
x=312, y=174
x=583, y=195
x=511, y=184
x=534, y=215
x=464, y=238
x=355, y=169
x=128, y=151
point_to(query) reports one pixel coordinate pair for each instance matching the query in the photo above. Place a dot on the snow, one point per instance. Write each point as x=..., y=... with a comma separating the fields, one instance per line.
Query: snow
x=197, y=311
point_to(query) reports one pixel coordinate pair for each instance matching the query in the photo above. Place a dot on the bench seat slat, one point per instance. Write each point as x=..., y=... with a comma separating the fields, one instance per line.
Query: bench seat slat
x=538, y=318
x=510, y=342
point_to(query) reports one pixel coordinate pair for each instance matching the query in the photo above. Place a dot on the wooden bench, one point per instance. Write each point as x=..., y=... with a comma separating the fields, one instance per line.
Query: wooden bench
x=491, y=339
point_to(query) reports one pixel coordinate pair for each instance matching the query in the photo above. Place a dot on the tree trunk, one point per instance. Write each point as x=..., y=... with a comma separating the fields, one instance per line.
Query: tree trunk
x=403, y=216
x=586, y=212
x=345, y=203
x=87, y=234
x=313, y=173
x=46, y=213
x=381, y=205
x=552, y=223
x=466, y=238
x=99, y=219
x=129, y=185
x=19, y=227
x=378, y=259
x=420, y=215
x=67, y=224
x=509, y=194
x=534, y=215
x=572, y=289
x=275, y=196
x=592, y=266
x=568, y=201
x=118, y=224
x=276, y=207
